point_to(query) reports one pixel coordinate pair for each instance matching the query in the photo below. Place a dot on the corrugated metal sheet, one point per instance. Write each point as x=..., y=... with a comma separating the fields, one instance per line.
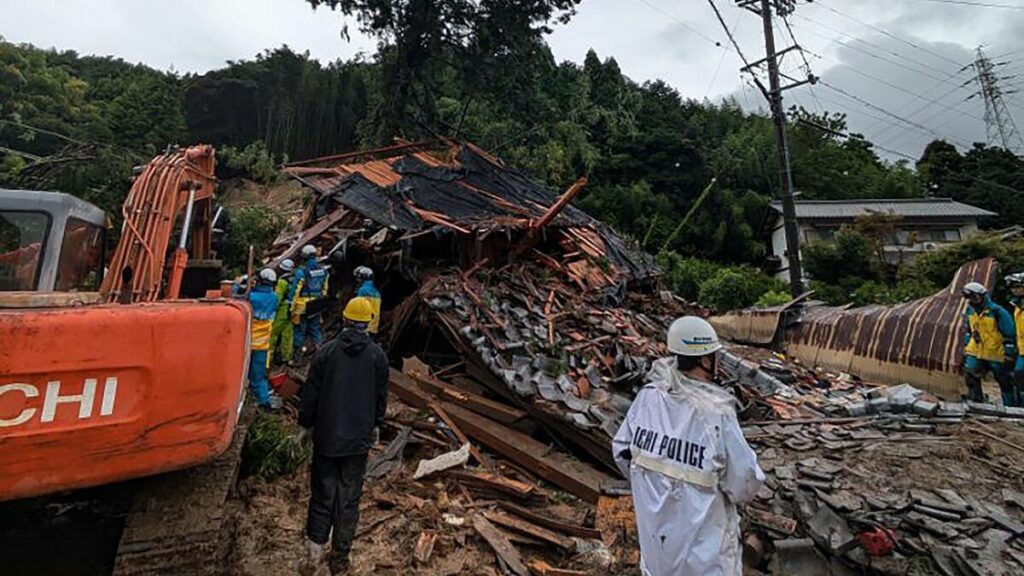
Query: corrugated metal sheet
x=919, y=342
x=909, y=208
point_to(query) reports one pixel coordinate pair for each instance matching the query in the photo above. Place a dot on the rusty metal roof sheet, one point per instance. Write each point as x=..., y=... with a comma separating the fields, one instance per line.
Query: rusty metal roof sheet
x=919, y=342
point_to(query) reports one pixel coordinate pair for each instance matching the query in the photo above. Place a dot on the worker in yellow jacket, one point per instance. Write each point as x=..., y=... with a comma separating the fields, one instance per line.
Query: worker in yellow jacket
x=990, y=341
x=1016, y=284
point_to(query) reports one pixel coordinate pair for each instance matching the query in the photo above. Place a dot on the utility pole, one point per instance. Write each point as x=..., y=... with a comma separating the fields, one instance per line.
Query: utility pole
x=999, y=125
x=774, y=96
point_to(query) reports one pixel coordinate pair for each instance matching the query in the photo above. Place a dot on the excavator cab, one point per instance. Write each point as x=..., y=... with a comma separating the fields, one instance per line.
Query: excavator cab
x=50, y=241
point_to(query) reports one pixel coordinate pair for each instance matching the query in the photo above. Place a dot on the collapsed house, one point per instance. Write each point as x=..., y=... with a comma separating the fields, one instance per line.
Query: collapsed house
x=545, y=306
x=529, y=314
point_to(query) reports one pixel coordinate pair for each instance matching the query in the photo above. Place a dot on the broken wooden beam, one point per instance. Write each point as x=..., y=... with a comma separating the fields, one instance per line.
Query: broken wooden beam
x=573, y=476
x=532, y=530
x=550, y=523
x=506, y=552
x=309, y=234
x=485, y=406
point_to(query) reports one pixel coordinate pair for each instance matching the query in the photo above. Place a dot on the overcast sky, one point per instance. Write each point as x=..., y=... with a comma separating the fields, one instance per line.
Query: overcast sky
x=878, y=59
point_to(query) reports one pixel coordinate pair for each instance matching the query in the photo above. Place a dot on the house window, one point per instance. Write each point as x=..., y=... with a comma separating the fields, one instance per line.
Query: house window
x=951, y=235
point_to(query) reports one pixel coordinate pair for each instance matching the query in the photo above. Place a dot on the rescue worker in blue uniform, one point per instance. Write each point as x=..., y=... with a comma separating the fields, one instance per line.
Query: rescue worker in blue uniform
x=364, y=279
x=1016, y=284
x=264, y=307
x=308, y=284
x=989, y=342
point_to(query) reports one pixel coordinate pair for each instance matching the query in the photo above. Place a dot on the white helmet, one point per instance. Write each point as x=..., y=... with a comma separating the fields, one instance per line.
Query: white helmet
x=692, y=336
x=268, y=275
x=308, y=251
x=363, y=273
x=974, y=289
x=287, y=265
x=1015, y=280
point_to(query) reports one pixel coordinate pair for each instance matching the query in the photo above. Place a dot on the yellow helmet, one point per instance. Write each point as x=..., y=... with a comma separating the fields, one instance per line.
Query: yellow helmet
x=359, y=310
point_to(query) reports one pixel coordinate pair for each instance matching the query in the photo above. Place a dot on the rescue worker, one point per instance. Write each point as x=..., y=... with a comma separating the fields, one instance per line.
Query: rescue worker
x=342, y=403
x=308, y=284
x=281, y=336
x=989, y=342
x=1016, y=284
x=364, y=279
x=264, y=308
x=688, y=463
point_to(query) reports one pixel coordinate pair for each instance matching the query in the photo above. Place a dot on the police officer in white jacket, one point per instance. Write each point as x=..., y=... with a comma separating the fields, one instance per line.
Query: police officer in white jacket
x=687, y=461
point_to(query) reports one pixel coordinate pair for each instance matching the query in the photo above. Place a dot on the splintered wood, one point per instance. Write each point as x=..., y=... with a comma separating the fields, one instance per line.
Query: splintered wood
x=506, y=552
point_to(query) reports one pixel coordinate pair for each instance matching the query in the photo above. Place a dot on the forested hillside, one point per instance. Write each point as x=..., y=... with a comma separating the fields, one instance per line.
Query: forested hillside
x=79, y=123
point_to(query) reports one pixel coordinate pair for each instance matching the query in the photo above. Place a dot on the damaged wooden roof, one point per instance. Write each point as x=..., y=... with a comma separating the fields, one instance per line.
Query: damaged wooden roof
x=455, y=185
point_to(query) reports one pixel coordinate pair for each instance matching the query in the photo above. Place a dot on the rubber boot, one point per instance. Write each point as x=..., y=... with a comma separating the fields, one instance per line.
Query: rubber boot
x=1018, y=383
x=1007, y=389
x=313, y=563
x=974, y=393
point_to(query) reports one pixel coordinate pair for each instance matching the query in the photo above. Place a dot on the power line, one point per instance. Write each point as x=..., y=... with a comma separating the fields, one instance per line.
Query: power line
x=887, y=33
x=881, y=110
x=682, y=23
x=978, y=4
x=924, y=106
x=872, y=44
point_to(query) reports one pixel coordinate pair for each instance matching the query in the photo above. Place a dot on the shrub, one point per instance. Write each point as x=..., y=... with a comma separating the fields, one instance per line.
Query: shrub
x=736, y=287
x=773, y=298
x=254, y=225
x=684, y=276
x=254, y=162
x=271, y=448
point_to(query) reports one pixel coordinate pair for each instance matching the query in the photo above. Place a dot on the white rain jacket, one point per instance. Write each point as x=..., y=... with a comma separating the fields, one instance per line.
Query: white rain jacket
x=689, y=465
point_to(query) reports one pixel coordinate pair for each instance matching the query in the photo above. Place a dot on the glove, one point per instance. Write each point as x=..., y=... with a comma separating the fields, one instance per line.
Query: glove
x=1010, y=350
x=375, y=438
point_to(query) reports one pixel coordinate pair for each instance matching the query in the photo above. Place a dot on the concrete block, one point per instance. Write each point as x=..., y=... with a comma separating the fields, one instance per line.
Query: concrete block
x=857, y=408
x=924, y=408
x=951, y=410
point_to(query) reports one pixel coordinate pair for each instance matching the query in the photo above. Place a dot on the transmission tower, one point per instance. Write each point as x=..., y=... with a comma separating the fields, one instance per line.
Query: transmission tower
x=999, y=125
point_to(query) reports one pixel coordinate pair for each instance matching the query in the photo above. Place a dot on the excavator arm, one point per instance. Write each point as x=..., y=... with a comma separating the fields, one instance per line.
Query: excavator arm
x=181, y=181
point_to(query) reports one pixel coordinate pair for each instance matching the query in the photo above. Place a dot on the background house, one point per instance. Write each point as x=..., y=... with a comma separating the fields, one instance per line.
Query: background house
x=916, y=225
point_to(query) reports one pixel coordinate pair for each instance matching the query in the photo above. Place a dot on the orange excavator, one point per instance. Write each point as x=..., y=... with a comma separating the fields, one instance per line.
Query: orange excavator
x=130, y=380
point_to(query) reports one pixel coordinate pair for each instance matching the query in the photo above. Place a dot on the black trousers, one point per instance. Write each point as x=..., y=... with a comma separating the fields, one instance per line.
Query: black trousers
x=336, y=485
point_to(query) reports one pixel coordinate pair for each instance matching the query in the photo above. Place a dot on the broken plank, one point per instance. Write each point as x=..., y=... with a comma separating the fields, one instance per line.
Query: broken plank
x=542, y=568
x=485, y=406
x=483, y=460
x=309, y=234
x=500, y=544
x=577, y=478
x=496, y=483
x=532, y=530
x=424, y=546
x=550, y=523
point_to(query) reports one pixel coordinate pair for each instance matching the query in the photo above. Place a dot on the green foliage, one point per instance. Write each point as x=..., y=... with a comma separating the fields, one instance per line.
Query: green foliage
x=773, y=298
x=990, y=178
x=272, y=449
x=850, y=255
x=255, y=226
x=684, y=276
x=736, y=287
x=938, y=267
x=254, y=162
x=874, y=292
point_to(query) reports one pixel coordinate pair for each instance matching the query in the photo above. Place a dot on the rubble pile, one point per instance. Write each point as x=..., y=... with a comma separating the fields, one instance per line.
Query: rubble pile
x=886, y=480
x=536, y=324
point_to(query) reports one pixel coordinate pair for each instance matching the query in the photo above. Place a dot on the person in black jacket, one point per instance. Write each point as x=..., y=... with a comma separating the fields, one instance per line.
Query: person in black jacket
x=343, y=403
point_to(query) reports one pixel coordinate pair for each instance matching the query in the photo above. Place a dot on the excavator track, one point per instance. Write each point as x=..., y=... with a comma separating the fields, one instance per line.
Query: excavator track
x=177, y=522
